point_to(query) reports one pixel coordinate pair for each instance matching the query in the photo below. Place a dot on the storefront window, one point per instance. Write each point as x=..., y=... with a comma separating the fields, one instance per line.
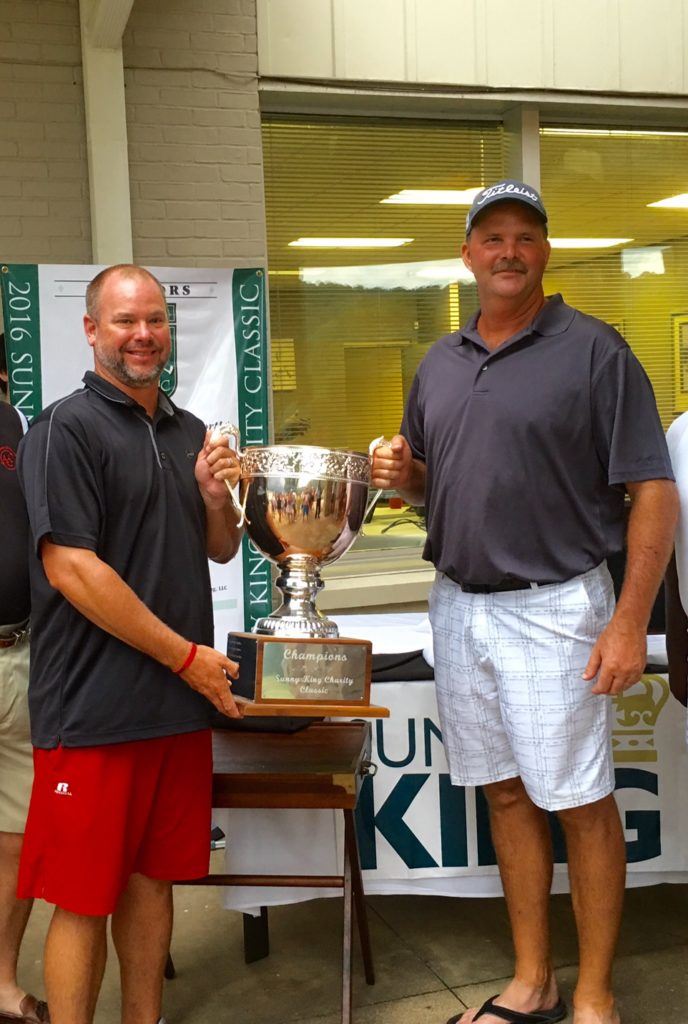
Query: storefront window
x=372, y=281
x=620, y=199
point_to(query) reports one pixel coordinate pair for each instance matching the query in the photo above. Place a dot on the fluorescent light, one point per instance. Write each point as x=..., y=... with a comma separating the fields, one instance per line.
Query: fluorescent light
x=349, y=243
x=621, y=133
x=587, y=243
x=679, y=202
x=434, y=196
x=388, y=276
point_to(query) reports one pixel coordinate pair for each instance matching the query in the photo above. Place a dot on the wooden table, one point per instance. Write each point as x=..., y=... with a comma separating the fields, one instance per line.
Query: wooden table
x=322, y=766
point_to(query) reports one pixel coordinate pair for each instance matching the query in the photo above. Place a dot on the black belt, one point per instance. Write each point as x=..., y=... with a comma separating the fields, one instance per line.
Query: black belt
x=15, y=636
x=495, y=588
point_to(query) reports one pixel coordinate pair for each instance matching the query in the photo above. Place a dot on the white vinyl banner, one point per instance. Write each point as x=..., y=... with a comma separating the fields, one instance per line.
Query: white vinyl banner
x=217, y=369
x=419, y=834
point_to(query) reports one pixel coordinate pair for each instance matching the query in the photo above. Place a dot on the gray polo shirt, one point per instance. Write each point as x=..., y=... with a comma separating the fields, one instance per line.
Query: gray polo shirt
x=528, y=447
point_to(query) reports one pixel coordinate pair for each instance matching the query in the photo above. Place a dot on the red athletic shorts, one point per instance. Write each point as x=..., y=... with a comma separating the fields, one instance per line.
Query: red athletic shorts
x=98, y=814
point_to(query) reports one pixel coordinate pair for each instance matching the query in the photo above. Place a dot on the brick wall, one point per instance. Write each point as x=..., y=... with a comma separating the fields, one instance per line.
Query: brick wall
x=195, y=152
x=44, y=209
x=193, y=123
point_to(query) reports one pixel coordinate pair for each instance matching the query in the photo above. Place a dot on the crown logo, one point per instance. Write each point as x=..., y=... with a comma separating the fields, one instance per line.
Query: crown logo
x=636, y=713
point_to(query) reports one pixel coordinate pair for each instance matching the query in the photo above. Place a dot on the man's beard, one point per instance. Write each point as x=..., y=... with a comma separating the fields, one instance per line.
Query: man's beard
x=132, y=379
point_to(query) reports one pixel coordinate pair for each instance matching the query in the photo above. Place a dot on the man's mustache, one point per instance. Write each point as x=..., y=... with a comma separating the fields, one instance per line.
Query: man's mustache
x=513, y=265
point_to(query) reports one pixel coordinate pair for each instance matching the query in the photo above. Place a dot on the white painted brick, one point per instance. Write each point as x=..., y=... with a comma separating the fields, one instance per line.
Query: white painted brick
x=189, y=97
x=23, y=169
x=151, y=209
x=228, y=118
x=234, y=23
x=45, y=112
x=28, y=250
x=138, y=55
x=65, y=54
x=243, y=211
x=8, y=148
x=244, y=248
x=11, y=10
x=144, y=133
x=37, y=32
x=192, y=210
x=175, y=172
x=145, y=114
x=58, y=14
x=54, y=189
x=10, y=227
x=9, y=189
x=10, y=50
x=161, y=39
x=195, y=247
x=228, y=230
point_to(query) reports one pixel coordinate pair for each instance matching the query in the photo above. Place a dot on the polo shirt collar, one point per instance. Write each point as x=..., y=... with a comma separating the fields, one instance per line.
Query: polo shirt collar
x=112, y=393
x=554, y=317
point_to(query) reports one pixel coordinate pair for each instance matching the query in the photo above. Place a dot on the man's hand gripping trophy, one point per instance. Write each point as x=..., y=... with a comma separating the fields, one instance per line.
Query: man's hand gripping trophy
x=391, y=463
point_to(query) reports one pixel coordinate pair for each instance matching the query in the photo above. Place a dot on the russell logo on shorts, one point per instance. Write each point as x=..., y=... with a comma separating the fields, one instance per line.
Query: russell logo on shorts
x=62, y=789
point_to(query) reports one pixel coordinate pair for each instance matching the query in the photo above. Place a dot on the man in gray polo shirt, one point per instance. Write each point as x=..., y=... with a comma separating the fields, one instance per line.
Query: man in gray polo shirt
x=522, y=433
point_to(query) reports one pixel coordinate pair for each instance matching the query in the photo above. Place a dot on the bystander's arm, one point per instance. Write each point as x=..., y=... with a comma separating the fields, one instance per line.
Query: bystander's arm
x=676, y=634
x=619, y=656
x=102, y=596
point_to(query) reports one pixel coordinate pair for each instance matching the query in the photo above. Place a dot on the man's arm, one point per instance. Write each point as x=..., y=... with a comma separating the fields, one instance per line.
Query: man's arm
x=102, y=596
x=216, y=463
x=676, y=634
x=618, y=658
x=395, y=469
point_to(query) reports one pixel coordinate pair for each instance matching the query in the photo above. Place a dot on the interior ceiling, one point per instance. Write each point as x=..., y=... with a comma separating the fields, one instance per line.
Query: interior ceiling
x=329, y=178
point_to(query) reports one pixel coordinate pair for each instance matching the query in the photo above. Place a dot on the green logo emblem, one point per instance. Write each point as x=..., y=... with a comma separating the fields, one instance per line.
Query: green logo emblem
x=168, y=377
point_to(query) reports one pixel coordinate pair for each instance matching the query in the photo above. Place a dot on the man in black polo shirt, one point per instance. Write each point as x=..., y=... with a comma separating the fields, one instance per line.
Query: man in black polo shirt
x=127, y=500
x=522, y=433
x=16, y=761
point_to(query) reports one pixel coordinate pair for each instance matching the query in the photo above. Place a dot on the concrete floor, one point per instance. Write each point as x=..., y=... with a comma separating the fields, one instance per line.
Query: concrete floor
x=433, y=956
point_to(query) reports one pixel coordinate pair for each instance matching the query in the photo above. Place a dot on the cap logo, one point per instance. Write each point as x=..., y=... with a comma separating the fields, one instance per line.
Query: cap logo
x=496, y=190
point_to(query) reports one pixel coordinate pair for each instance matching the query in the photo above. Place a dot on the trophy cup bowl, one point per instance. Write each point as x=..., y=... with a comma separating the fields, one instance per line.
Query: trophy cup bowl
x=304, y=508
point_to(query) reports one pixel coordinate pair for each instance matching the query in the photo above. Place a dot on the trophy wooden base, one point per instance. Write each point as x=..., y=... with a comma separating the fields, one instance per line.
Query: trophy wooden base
x=303, y=676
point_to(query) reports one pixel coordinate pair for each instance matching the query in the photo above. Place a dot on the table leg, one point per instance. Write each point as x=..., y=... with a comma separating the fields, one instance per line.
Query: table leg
x=351, y=845
x=346, y=939
x=256, y=937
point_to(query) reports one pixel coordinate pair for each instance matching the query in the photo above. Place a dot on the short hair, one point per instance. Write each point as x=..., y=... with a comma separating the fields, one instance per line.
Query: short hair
x=95, y=287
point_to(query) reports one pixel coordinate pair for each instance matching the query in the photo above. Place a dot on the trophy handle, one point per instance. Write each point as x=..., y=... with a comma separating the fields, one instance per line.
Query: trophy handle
x=231, y=431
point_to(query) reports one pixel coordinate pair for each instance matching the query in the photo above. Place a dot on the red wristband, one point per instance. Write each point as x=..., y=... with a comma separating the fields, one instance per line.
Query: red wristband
x=187, y=661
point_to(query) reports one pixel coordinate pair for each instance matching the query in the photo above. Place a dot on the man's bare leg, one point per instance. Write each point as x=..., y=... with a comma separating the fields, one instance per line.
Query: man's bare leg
x=75, y=953
x=141, y=930
x=597, y=870
x=14, y=914
x=522, y=841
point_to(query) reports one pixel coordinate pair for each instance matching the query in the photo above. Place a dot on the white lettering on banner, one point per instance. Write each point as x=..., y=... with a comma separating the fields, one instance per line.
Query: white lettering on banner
x=258, y=577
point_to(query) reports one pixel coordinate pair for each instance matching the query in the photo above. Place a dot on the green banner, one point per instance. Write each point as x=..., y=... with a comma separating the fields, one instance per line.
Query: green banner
x=21, y=315
x=250, y=339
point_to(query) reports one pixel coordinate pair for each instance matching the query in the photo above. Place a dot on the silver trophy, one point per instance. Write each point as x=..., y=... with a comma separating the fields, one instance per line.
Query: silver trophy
x=303, y=508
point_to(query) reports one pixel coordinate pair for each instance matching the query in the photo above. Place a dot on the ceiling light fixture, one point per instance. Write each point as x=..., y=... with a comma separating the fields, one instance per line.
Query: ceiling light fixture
x=587, y=243
x=679, y=202
x=434, y=196
x=348, y=243
x=621, y=133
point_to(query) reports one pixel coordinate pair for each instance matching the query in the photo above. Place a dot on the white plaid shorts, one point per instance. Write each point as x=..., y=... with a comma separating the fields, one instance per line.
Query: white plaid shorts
x=509, y=690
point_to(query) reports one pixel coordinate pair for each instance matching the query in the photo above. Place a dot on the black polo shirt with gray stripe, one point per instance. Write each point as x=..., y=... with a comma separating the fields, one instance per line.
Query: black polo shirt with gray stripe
x=97, y=472
x=528, y=447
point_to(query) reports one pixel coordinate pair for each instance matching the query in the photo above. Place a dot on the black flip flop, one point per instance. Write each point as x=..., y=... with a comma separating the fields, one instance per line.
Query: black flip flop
x=556, y=1013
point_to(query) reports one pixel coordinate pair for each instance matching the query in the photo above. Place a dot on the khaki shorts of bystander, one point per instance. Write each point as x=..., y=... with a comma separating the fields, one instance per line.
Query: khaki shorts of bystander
x=16, y=753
